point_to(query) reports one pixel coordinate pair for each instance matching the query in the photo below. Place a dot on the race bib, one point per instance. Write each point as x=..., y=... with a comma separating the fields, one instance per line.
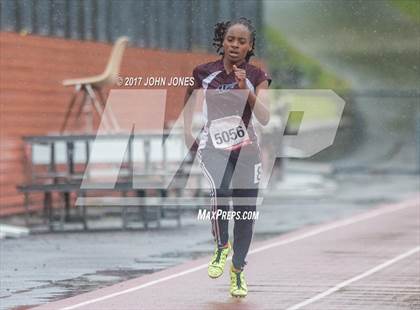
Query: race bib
x=229, y=133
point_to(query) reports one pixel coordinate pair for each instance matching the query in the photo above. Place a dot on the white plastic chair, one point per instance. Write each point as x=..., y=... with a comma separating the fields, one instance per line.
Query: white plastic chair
x=88, y=85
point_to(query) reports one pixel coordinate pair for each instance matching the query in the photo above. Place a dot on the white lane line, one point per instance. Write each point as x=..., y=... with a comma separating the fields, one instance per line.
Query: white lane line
x=338, y=224
x=354, y=279
x=179, y=274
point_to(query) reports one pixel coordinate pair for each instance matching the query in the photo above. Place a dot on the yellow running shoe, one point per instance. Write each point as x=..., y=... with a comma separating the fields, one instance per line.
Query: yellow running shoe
x=238, y=287
x=218, y=262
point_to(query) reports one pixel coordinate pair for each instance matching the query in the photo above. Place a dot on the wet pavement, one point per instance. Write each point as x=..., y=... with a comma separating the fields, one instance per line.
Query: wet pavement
x=367, y=261
x=45, y=267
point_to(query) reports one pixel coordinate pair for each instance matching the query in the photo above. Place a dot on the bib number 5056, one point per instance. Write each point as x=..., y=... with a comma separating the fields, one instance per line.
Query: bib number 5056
x=231, y=134
x=228, y=132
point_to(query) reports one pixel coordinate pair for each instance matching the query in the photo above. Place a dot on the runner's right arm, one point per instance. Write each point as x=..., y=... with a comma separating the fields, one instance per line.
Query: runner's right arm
x=190, y=101
x=188, y=112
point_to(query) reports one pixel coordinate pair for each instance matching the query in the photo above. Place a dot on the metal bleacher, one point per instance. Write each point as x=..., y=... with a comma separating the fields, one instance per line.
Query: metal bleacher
x=62, y=169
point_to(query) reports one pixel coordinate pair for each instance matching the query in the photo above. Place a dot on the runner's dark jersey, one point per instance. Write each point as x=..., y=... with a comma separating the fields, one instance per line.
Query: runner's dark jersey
x=218, y=102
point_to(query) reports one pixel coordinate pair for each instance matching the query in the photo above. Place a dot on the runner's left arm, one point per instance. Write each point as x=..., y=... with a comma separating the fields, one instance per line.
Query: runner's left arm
x=259, y=103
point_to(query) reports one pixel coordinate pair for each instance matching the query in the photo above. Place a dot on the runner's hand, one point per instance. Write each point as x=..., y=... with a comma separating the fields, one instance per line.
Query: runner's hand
x=240, y=77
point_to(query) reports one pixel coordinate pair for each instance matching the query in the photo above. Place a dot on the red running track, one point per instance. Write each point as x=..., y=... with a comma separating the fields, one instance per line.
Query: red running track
x=368, y=261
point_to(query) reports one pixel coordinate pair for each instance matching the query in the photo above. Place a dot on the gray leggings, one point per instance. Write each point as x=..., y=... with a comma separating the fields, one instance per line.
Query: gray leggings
x=233, y=176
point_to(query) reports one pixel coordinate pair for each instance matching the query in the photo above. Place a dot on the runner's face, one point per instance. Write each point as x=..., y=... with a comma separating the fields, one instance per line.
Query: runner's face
x=237, y=43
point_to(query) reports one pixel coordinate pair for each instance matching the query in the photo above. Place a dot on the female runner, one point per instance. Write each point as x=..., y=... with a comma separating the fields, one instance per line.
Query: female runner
x=228, y=148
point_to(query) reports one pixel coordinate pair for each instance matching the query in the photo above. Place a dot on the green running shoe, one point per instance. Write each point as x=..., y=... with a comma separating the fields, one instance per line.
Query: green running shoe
x=218, y=262
x=238, y=287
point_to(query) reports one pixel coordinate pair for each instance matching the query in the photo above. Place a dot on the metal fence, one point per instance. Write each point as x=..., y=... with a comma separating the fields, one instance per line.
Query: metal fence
x=167, y=24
